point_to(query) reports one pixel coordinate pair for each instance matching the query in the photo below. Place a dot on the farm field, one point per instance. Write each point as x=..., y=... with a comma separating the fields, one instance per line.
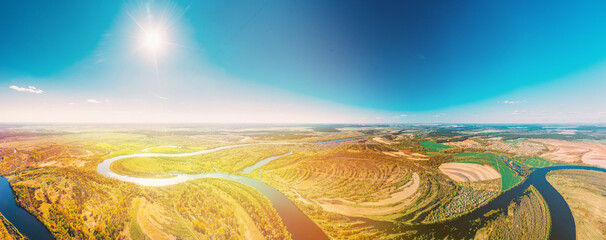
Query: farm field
x=433, y=146
x=393, y=186
x=351, y=188
x=575, y=151
x=469, y=172
x=302, y=120
x=509, y=177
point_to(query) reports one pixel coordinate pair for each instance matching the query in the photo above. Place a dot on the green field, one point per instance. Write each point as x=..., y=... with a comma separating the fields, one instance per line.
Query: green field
x=538, y=162
x=515, y=140
x=509, y=178
x=433, y=146
x=231, y=160
x=475, y=161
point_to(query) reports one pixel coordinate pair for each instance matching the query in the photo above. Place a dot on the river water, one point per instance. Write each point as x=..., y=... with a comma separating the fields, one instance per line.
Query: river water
x=27, y=224
x=297, y=223
x=464, y=227
x=300, y=225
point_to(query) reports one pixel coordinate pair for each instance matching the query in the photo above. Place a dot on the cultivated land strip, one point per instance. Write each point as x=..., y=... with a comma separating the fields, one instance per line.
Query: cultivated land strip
x=561, y=218
x=567, y=151
x=469, y=172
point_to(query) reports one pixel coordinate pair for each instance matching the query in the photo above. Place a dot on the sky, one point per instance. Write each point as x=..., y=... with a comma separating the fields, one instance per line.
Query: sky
x=303, y=61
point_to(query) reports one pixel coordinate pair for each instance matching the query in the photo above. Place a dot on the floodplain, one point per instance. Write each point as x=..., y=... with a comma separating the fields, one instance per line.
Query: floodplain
x=347, y=182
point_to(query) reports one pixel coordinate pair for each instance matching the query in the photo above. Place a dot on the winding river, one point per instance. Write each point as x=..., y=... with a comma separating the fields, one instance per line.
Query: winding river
x=297, y=223
x=26, y=223
x=300, y=225
x=562, y=221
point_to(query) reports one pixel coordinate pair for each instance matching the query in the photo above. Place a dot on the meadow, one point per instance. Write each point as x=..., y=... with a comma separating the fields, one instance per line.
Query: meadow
x=232, y=160
x=537, y=162
x=351, y=189
x=584, y=192
x=433, y=146
x=55, y=179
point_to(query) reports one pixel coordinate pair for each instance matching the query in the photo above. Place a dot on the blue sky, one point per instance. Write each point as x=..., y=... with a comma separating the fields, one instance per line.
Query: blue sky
x=304, y=61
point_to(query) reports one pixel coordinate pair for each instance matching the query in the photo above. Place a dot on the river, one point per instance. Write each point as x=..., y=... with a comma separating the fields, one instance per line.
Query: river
x=300, y=225
x=297, y=223
x=465, y=226
x=27, y=224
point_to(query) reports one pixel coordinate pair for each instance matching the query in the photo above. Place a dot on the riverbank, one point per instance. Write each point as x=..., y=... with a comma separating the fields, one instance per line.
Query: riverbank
x=26, y=224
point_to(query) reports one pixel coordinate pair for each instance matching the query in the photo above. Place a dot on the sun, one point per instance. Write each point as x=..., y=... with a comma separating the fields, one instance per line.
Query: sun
x=153, y=40
x=154, y=35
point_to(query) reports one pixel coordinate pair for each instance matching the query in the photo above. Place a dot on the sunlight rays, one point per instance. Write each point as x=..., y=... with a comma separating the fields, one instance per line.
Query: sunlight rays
x=155, y=34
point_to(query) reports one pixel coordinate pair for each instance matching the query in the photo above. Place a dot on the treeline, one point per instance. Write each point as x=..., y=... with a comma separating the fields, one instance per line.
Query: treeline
x=8, y=231
x=69, y=200
x=435, y=160
x=216, y=208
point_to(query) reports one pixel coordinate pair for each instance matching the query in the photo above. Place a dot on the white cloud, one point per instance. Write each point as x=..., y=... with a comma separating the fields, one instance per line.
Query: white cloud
x=403, y=115
x=71, y=103
x=30, y=89
x=512, y=102
x=92, y=101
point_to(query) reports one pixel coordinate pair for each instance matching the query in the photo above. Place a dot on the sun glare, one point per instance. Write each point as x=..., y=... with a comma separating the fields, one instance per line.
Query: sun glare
x=153, y=40
x=154, y=34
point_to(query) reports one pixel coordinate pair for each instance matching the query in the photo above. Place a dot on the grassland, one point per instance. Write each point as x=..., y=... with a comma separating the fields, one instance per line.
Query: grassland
x=537, y=162
x=396, y=188
x=515, y=140
x=342, y=186
x=584, y=192
x=227, y=161
x=55, y=179
x=340, y=173
x=526, y=218
x=84, y=205
x=433, y=146
x=509, y=178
